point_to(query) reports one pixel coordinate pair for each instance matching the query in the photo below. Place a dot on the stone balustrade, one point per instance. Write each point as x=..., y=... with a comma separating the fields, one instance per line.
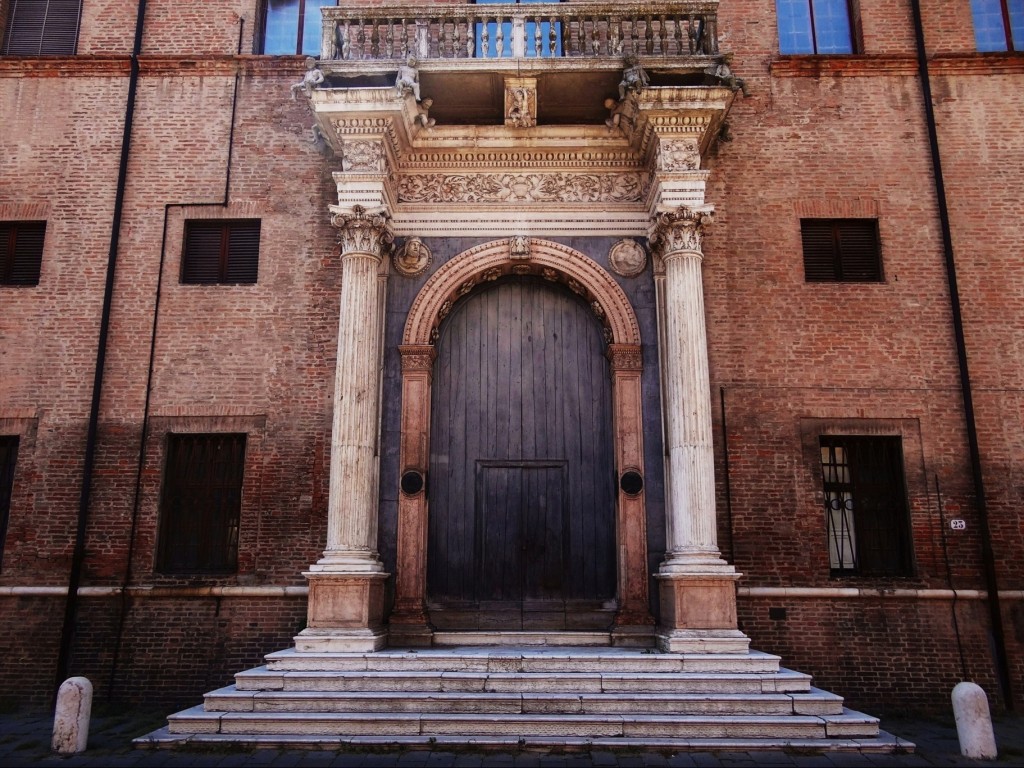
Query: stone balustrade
x=541, y=30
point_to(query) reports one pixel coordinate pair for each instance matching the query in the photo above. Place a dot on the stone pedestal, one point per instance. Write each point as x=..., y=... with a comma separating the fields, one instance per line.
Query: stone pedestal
x=345, y=612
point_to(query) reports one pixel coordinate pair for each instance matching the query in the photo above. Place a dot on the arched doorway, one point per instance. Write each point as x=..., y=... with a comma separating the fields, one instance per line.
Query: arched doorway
x=521, y=531
x=533, y=476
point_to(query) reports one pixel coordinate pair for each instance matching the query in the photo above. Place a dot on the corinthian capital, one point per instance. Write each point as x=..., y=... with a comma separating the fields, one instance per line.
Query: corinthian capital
x=364, y=231
x=678, y=230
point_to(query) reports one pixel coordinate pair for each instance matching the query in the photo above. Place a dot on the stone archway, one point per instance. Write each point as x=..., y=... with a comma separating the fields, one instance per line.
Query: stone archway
x=483, y=264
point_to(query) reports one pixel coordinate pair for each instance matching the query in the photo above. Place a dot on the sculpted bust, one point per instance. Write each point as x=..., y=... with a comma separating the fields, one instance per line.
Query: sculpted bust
x=412, y=258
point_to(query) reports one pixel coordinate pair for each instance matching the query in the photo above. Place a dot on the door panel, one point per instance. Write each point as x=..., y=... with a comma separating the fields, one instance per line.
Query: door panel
x=521, y=485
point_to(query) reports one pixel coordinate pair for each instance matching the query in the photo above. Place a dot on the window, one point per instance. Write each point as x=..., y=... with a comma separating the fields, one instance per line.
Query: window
x=865, y=506
x=8, y=457
x=814, y=26
x=200, y=503
x=293, y=26
x=218, y=251
x=21, y=252
x=998, y=24
x=37, y=27
x=487, y=35
x=841, y=250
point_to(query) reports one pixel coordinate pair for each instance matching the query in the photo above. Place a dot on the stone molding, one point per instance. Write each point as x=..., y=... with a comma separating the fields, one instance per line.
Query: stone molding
x=626, y=357
x=364, y=231
x=522, y=187
x=679, y=231
x=552, y=261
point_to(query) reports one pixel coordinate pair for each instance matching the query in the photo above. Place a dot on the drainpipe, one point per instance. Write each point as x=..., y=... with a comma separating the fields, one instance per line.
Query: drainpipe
x=78, y=557
x=987, y=556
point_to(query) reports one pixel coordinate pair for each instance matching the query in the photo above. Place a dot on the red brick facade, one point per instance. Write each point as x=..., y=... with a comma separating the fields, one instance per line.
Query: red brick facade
x=817, y=137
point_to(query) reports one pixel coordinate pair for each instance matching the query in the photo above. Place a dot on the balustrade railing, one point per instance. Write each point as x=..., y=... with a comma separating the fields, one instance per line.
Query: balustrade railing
x=534, y=30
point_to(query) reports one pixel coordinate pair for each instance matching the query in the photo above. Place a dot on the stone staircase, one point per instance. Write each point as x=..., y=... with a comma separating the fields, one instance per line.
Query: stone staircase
x=539, y=696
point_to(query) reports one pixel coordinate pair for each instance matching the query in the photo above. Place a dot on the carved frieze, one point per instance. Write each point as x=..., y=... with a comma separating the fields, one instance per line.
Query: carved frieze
x=364, y=231
x=412, y=258
x=627, y=258
x=679, y=230
x=366, y=155
x=677, y=155
x=522, y=187
x=626, y=357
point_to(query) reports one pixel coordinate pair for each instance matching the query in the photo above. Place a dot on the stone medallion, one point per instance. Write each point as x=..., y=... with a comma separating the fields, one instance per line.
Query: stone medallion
x=627, y=258
x=412, y=258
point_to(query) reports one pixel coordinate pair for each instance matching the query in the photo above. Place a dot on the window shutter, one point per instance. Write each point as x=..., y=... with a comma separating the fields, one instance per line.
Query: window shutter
x=8, y=458
x=858, y=250
x=243, y=252
x=819, y=250
x=21, y=252
x=36, y=27
x=200, y=262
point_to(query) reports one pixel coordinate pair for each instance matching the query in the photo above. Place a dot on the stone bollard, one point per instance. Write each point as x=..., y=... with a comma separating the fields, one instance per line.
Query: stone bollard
x=71, y=719
x=973, y=722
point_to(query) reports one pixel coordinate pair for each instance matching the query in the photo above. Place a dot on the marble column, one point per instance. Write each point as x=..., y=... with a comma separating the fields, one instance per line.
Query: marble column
x=697, y=587
x=346, y=586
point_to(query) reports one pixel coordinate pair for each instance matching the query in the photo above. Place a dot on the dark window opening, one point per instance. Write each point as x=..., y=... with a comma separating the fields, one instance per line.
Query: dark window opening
x=201, y=503
x=221, y=252
x=21, y=252
x=8, y=458
x=814, y=26
x=293, y=27
x=866, y=506
x=841, y=250
x=543, y=38
x=42, y=27
x=998, y=24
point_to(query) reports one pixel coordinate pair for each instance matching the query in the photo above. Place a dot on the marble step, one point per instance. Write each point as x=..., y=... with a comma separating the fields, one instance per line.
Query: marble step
x=641, y=726
x=783, y=681
x=540, y=659
x=230, y=699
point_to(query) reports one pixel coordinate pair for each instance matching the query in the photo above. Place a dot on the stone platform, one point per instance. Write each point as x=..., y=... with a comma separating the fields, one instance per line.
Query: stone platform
x=540, y=696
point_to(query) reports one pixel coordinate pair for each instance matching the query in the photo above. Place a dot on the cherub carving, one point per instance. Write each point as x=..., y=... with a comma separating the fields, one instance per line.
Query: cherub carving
x=408, y=80
x=422, y=116
x=311, y=80
x=634, y=78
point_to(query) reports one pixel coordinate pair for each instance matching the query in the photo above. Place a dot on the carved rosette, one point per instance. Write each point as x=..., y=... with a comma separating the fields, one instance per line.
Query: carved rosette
x=678, y=231
x=363, y=231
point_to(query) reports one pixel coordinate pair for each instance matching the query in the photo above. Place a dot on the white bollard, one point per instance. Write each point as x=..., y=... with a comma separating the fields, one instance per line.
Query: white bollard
x=71, y=719
x=973, y=722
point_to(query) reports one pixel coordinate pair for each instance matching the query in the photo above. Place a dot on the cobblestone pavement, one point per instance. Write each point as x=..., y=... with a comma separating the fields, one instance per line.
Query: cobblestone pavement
x=25, y=741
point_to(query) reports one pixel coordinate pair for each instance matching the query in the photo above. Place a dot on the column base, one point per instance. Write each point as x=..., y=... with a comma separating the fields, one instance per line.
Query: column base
x=345, y=612
x=698, y=614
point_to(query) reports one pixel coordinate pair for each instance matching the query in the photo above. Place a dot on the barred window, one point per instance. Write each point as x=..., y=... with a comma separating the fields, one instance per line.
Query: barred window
x=219, y=251
x=866, y=506
x=8, y=458
x=21, y=252
x=998, y=24
x=814, y=26
x=201, y=502
x=841, y=250
x=42, y=27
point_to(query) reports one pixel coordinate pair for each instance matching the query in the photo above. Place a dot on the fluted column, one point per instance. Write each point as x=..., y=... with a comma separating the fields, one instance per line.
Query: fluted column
x=697, y=586
x=346, y=586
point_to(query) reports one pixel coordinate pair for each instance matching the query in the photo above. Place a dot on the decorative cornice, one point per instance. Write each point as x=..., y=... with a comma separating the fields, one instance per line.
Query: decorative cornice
x=363, y=231
x=492, y=160
x=522, y=187
x=417, y=357
x=626, y=357
x=679, y=231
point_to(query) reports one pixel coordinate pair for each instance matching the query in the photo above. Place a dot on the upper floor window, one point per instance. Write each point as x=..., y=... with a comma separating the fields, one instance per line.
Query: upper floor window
x=8, y=457
x=865, y=505
x=36, y=27
x=21, y=252
x=841, y=250
x=293, y=26
x=814, y=26
x=200, y=503
x=542, y=38
x=998, y=24
x=219, y=251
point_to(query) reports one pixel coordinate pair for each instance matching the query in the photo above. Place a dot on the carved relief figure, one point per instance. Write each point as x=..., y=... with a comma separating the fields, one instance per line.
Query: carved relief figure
x=422, y=114
x=634, y=78
x=408, y=80
x=413, y=257
x=627, y=258
x=311, y=80
x=519, y=113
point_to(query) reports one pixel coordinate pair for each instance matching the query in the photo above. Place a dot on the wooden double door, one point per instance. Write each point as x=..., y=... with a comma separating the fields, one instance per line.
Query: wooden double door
x=521, y=531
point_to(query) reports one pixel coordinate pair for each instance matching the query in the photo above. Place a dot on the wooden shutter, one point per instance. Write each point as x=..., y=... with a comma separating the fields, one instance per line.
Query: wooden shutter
x=47, y=27
x=8, y=457
x=224, y=252
x=21, y=252
x=841, y=250
x=201, y=503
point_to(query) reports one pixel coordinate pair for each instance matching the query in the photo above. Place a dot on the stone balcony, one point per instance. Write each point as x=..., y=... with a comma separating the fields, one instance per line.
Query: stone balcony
x=575, y=51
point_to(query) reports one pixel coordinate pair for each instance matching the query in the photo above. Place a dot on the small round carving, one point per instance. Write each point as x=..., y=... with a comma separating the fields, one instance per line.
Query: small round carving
x=412, y=482
x=631, y=483
x=627, y=258
x=412, y=258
